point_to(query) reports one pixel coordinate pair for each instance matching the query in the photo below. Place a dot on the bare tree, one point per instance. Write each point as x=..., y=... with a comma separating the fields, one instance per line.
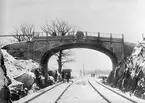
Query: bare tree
x=59, y=28
x=63, y=58
x=25, y=32
x=18, y=36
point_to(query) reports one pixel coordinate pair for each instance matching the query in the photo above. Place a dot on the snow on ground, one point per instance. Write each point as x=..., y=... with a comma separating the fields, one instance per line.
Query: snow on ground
x=81, y=92
x=134, y=69
x=125, y=94
x=33, y=95
x=16, y=68
x=50, y=96
x=138, y=56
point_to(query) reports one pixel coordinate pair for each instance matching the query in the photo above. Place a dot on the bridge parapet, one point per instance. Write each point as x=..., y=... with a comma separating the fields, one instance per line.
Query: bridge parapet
x=105, y=37
x=97, y=36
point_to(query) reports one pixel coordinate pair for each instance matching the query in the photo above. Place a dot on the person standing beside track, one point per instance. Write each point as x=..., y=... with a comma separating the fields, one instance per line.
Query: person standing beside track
x=62, y=74
x=67, y=77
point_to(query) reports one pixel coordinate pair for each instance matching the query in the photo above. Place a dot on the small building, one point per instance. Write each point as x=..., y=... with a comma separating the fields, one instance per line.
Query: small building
x=67, y=71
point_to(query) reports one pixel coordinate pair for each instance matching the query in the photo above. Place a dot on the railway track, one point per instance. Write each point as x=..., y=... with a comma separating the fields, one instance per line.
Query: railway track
x=45, y=95
x=107, y=100
x=59, y=92
x=62, y=93
x=59, y=97
x=68, y=96
x=109, y=95
x=33, y=96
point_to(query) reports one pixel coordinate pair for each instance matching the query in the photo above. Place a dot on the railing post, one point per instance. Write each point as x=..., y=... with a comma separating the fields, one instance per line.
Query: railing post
x=122, y=38
x=86, y=35
x=110, y=38
x=30, y=49
x=73, y=33
x=98, y=36
x=123, y=47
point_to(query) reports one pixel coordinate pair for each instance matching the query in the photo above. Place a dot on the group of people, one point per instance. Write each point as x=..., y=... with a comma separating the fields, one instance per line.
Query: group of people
x=58, y=77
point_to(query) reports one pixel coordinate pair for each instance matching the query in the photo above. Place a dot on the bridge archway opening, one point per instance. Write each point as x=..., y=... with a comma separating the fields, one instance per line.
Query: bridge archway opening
x=89, y=60
x=46, y=56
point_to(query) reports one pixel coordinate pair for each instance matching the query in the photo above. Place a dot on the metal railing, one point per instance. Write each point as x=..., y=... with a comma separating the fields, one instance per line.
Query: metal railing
x=95, y=34
x=87, y=35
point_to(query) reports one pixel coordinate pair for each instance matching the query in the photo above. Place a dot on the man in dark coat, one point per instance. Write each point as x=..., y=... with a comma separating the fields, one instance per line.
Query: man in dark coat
x=62, y=74
x=55, y=76
x=67, y=77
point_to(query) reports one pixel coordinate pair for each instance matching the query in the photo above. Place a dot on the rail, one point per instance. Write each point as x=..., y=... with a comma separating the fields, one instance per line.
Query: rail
x=108, y=37
x=117, y=92
x=56, y=101
x=32, y=97
x=37, y=94
x=109, y=99
x=95, y=36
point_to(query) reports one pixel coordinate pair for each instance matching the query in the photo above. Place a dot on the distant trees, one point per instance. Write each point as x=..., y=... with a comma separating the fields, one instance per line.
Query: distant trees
x=24, y=33
x=59, y=28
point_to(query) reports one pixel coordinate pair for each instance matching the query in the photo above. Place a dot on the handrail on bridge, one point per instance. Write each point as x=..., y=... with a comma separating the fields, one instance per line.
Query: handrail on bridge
x=73, y=34
x=96, y=34
x=108, y=37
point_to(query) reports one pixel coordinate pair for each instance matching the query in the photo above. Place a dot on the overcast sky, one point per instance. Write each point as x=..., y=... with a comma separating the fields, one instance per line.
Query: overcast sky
x=107, y=16
x=87, y=58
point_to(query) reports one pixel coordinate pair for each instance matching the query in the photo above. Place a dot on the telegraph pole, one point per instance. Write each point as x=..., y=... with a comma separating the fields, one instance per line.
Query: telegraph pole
x=83, y=70
x=143, y=37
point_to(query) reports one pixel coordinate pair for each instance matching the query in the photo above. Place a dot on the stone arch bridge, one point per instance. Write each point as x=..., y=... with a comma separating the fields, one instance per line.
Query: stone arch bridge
x=42, y=47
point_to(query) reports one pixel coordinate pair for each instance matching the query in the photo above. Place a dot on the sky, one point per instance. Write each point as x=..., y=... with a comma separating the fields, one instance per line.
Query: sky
x=106, y=16
x=84, y=58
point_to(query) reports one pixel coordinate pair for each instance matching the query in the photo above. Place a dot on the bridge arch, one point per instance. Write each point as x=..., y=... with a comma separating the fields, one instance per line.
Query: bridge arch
x=42, y=47
x=46, y=56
